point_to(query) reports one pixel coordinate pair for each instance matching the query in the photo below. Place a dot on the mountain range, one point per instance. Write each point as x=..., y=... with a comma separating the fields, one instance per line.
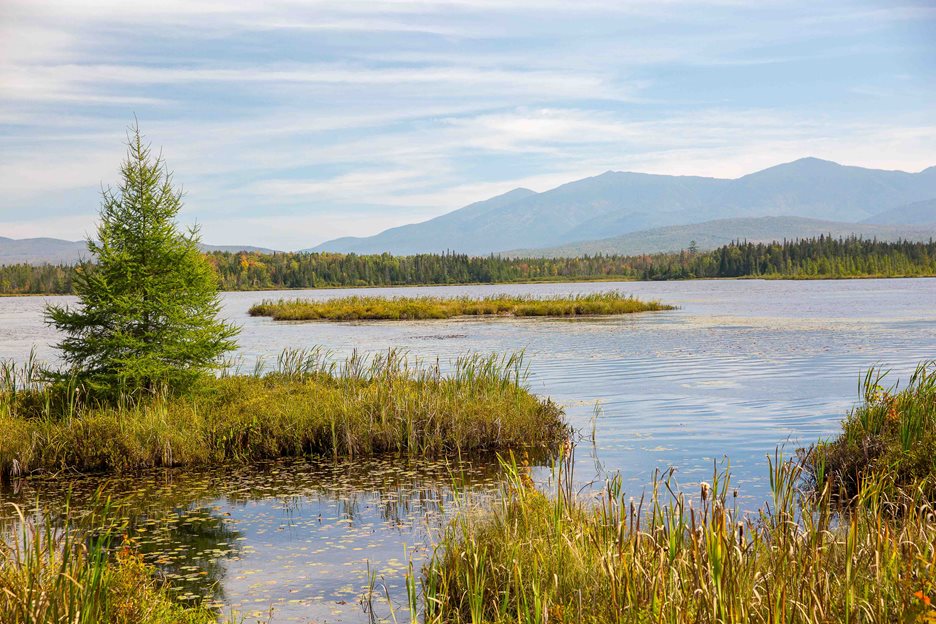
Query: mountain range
x=615, y=204
x=635, y=213
x=58, y=251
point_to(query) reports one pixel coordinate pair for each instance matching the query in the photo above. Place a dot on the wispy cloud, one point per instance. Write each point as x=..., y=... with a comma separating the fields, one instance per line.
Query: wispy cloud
x=292, y=121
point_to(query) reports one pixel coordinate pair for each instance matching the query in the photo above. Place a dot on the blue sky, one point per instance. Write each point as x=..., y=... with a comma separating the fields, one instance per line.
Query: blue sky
x=289, y=123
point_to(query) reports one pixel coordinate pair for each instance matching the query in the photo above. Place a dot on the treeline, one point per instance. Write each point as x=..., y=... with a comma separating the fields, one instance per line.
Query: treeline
x=44, y=279
x=823, y=257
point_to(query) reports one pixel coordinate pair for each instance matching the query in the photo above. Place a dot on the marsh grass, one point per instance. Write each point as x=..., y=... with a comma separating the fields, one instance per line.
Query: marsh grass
x=420, y=308
x=890, y=436
x=308, y=405
x=682, y=557
x=54, y=573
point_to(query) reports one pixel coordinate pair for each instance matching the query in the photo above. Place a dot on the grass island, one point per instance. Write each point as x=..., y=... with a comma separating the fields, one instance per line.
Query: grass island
x=423, y=308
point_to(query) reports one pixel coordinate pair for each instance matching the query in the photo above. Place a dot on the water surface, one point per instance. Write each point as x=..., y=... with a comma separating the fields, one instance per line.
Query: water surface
x=741, y=367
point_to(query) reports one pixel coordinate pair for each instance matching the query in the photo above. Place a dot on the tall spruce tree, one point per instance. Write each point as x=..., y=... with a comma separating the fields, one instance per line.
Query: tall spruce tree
x=148, y=313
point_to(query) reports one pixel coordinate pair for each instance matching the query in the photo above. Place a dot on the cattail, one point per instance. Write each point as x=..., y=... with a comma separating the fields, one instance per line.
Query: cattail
x=705, y=490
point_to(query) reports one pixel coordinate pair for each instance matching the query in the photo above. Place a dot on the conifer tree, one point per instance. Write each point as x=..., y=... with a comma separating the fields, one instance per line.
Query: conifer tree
x=148, y=302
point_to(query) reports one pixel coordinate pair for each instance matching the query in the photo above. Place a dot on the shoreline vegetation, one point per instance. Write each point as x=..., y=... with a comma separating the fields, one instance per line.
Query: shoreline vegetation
x=824, y=548
x=820, y=550
x=682, y=557
x=423, y=308
x=848, y=535
x=815, y=258
x=62, y=572
x=889, y=438
x=309, y=405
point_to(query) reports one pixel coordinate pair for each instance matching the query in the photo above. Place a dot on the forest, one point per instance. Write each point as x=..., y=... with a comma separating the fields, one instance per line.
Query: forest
x=814, y=258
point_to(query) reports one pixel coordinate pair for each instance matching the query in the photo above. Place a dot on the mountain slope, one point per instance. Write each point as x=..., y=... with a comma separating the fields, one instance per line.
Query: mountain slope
x=615, y=203
x=439, y=232
x=58, y=251
x=915, y=213
x=711, y=234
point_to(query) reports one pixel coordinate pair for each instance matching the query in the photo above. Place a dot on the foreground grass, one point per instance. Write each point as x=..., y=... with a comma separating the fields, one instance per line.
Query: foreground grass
x=892, y=433
x=59, y=575
x=849, y=535
x=684, y=558
x=308, y=406
x=417, y=308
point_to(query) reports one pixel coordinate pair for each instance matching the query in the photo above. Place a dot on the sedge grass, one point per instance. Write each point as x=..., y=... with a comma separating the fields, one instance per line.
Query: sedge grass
x=51, y=574
x=679, y=557
x=422, y=308
x=309, y=405
x=891, y=432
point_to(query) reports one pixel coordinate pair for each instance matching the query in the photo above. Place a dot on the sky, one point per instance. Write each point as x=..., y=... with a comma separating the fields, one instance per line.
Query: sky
x=288, y=122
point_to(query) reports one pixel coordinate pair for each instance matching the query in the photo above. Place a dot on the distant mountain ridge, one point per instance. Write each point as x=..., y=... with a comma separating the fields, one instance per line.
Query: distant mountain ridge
x=445, y=227
x=618, y=203
x=917, y=212
x=58, y=251
x=712, y=234
x=626, y=213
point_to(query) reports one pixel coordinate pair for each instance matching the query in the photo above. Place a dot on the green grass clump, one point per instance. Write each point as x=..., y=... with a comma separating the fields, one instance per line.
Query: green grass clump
x=64, y=575
x=892, y=433
x=683, y=558
x=309, y=405
x=419, y=308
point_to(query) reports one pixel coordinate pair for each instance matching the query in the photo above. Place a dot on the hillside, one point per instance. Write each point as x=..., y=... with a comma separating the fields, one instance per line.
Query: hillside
x=917, y=212
x=716, y=233
x=58, y=251
x=618, y=203
x=410, y=239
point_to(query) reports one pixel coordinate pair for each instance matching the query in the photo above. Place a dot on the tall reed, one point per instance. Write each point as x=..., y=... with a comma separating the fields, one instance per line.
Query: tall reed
x=54, y=573
x=309, y=404
x=890, y=435
x=678, y=557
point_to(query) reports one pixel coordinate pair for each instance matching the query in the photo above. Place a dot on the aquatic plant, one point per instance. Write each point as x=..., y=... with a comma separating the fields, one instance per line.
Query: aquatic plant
x=889, y=437
x=308, y=405
x=418, y=308
x=677, y=557
x=52, y=573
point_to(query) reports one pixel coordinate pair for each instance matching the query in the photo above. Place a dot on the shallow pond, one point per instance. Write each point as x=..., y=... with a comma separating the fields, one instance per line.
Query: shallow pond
x=740, y=368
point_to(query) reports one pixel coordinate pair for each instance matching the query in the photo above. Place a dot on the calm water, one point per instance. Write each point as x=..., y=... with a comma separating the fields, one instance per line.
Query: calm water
x=741, y=367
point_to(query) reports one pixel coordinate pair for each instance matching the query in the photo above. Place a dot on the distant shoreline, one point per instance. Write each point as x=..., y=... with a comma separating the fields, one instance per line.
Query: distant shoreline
x=584, y=280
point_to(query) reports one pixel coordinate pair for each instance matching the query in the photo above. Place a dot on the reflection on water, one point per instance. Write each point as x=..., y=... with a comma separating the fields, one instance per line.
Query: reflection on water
x=741, y=367
x=294, y=535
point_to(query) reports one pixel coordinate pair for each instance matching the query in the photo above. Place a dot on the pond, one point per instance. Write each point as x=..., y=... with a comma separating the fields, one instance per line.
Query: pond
x=740, y=368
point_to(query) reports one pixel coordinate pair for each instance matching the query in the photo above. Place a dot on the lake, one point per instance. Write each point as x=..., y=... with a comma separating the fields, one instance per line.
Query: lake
x=741, y=368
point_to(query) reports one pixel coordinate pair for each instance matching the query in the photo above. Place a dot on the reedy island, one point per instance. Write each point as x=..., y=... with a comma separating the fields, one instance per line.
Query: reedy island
x=310, y=404
x=423, y=308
